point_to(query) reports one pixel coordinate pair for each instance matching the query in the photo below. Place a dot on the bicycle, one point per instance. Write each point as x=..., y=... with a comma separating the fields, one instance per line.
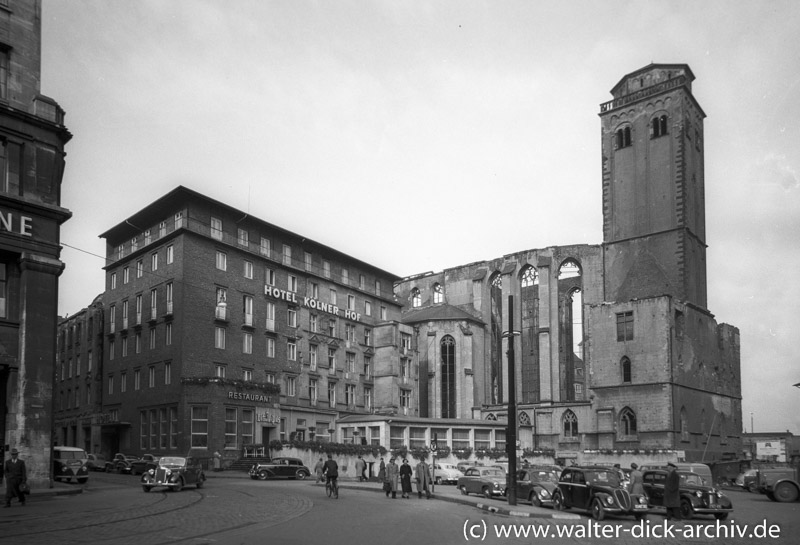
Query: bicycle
x=332, y=488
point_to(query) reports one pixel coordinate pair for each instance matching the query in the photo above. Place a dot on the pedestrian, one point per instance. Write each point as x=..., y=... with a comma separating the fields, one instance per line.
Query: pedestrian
x=318, y=470
x=16, y=475
x=217, y=461
x=672, y=492
x=636, y=485
x=405, y=478
x=382, y=471
x=392, y=478
x=423, y=476
x=361, y=468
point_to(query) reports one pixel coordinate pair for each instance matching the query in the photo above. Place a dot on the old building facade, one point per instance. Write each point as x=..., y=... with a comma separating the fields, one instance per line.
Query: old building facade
x=32, y=140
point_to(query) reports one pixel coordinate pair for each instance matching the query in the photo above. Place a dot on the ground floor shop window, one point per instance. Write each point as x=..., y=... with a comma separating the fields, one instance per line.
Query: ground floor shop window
x=200, y=427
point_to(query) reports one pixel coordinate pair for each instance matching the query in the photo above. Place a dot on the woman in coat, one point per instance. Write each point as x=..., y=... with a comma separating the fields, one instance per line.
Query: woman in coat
x=636, y=485
x=382, y=471
x=405, y=478
x=392, y=477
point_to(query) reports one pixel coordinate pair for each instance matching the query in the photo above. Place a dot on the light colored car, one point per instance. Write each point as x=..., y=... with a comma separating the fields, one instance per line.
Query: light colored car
x=488, y=481
x=69, y=463
x=446, y=473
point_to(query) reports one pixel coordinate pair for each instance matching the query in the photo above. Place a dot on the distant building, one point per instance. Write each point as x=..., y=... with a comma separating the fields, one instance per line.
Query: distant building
x=32, y=140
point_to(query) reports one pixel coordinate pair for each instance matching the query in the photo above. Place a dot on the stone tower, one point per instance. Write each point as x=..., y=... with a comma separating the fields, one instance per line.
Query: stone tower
x=653, y=187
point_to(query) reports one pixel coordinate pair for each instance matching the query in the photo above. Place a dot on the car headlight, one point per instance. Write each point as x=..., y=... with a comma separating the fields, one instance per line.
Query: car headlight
x=151, y=471
x=609, y=500
x=544, y=493
x=698, y=493
x=643, y=499
x=719, y=493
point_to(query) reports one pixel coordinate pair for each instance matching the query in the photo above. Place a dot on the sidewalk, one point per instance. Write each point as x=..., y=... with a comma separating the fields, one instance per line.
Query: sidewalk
x=442, y=492
x=59, y=489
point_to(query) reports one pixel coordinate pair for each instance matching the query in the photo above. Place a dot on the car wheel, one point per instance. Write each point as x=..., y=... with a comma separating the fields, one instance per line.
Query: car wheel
x=464, y=490
x=300, y=475
x=687, y=511
x=785, y=492
x=263, y=475
x=146, y=488
x=558, y=502
x=178, y=486
x=721, y=516
x=752, y=488
x=598, y=512
x=487, y=493
x=535, y=501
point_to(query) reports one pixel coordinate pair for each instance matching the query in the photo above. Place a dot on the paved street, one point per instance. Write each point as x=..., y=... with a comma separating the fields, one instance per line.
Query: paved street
x=233, y=509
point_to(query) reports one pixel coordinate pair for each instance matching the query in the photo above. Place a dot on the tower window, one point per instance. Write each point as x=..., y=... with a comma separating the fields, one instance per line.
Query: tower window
x=658, y=126
x=626, y=369
x=625, y=326
x=623, y=137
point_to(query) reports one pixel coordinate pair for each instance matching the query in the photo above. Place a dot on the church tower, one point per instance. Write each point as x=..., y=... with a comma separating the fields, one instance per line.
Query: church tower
x=653, y=187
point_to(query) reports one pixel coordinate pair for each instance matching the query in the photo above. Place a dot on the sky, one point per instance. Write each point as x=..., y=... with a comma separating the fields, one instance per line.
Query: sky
x=423, y=135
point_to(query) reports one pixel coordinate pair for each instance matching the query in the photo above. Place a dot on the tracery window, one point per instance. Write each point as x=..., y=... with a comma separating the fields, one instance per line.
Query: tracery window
x=438, y=293
x=416, y=298
x=570, y=422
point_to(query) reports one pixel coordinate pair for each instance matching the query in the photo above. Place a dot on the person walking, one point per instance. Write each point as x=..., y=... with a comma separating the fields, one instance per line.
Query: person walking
x=405, y=478
x=392, y=477
x=424, y=479
x=16, y=475
x=318, y=470
x=217, y=461
x=382, y=471
x=672, y=493
x=361, y=468
x=636, y=485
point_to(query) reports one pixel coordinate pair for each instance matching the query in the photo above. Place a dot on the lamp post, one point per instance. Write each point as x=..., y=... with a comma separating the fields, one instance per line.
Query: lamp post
x=511, y=430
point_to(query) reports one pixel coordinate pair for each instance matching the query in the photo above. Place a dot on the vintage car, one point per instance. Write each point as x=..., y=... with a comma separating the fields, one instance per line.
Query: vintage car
x=696, y=496
x=489, y=481
x=69, y=463
x=121, y=463
x=597, y=490
x=536, y=485
x=96, y=462
x=280, y=468
x=146, y=462
x=446, y=473
x=174, y=472
x=748, y=480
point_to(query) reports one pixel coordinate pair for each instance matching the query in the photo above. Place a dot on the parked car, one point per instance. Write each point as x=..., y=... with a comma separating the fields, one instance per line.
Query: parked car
x=121, y=463
x=599, y=491
x=280, y=468
x=146, y=462
x=697, y=497
x=70, y=463
x=464, y=466
x=446, y=473
x=489, y=481
x=174, y=472
x=748, y=480
x=536, y=485
x=96, y=462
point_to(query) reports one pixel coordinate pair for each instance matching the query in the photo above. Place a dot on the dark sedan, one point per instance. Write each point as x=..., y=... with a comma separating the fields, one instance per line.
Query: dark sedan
x=174, y=472
x=280, y=468
x=537, y=485
x=696, y=497
x=143, y=464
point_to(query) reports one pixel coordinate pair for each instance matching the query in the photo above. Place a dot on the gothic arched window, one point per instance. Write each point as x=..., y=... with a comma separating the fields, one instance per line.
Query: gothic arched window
x=438, y=293
x=626, y=369
x=658, y=126
x=570, y=422
x=627, y=422
x=416, y=298
x=529, y=277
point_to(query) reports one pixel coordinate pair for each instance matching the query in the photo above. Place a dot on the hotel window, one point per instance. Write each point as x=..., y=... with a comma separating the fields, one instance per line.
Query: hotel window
x=291, y=351
x=152, y=338
x=313, y=290
x=270, y=378
x=291, y=315
x=345, y=276
x=362, y=281
x=162, y=229
x=405, y=370
x=154, y=262
x=405, y=399
x=333, y=296
x=89, y=361
x=148, y=238
x=137, y=379
x=110, y=384
x=219, y=337
x=139, y=268
x=367, y=308
x=178, y=220
x=350, y=360
x=383, y=312
x=351, y=302
x=219, y=370
x=287, y=254
x=168, y=289
x=123, y=382
x=291, y=284
x=307, y=259
x=216, y=228
x=112, y=318
x=326, y=269
x=350, y=395
x=126, y=275
x=167, y=373
x=138, y=309
x=230, y=428
x=243, y=238
x=247, y=306
x=625, y=326
x=137, y=342
x=350, y=332
x=151, y=376
x=121, y=251
x=247, y=375
x=222, y=261
x=199, y=427
x=134, y=244
x=313, y=322
x=170, y=254
x=368, y=399
x=332, y=394
x=313, y=354
x=265, y=247
x=111, y=350
x=247, y=343
x=247, y=427
x=248, y=269
x=270, y=347
x=124, y=347
x=312, y=391
x=405, y=343
x=367, y=336
x=153, y=304
x=168, y=335
x=332, y=358
x=113, y=277
x=270, y=317
x=291, y=386
x=269, y=277
x=368, y=367
x=377, y=287
x=332, y=327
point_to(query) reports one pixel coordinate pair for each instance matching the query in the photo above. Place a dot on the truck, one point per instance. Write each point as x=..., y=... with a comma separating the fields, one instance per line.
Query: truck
x=780, y=484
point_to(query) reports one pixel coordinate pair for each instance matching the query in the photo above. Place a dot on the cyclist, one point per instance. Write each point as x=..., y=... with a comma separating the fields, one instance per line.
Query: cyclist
x=331, y=472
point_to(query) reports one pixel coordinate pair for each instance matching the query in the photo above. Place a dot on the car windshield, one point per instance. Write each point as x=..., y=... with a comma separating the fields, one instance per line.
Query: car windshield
x=496, y=473
x=691, y=479
x=604, y=478
x=544, y=476
x=71, y=455
x=172, y=461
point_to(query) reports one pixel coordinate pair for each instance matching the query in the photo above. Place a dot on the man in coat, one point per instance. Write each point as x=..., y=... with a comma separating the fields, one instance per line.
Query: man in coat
x=422, y=473
x=393, y=478
x=15, y=474
x=361, y=467
x=672, y=492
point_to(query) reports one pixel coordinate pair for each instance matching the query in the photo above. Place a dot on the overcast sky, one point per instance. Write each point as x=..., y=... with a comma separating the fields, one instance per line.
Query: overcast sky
x=421, y=135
